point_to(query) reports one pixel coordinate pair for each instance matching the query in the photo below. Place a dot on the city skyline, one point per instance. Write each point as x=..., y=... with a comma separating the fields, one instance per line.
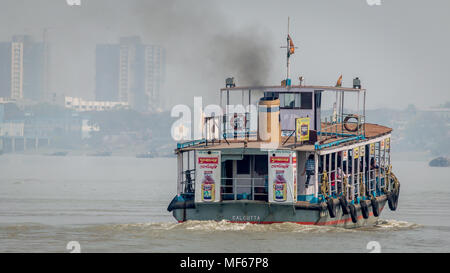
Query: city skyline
x=398, y=61
x=128, y=71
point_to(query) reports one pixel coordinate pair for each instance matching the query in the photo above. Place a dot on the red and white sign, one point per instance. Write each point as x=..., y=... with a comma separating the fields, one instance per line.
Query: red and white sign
x=207, y=176
x=282, y=177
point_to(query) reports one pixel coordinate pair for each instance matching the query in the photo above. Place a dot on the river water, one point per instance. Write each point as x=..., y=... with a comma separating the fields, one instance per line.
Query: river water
x=118, y=204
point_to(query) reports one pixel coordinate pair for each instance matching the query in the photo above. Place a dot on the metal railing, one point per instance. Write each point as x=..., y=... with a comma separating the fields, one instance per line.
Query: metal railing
x=228, y=127
x=188, y=182
x=363, y=184
x=334, y=182
x=249, y=188
x=338, y=127
x=237, y=126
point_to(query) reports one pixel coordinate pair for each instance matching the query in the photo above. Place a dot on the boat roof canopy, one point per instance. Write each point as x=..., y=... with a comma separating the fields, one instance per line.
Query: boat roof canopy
x=294, y=88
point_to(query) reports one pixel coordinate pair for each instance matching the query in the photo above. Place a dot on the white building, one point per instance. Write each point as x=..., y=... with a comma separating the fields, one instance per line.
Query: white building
x=78, y=104
x=17, y=70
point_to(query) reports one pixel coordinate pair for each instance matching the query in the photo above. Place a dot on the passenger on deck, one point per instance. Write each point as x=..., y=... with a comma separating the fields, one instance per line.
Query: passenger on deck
x=340, y=177
x=373, y=173
x=188, y=184
x=310, y=167
x=373, y=165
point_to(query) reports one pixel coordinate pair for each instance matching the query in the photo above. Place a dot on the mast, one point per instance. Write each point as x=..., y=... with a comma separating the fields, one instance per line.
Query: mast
x=287, y=54
x=290, y=48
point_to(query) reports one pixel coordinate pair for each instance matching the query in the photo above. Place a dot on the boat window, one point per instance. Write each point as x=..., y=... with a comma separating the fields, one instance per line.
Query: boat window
x=288, y=100
x=306, y=100
x=271, y=95
x=243, y=166
x=301, y=100
x=261, y=166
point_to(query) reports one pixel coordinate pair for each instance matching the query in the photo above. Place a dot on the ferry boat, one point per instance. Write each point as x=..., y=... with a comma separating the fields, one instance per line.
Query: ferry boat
x=282, y=159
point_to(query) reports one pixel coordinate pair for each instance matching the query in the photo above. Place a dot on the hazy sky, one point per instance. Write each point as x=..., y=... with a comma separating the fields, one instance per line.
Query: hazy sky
x=399, y=49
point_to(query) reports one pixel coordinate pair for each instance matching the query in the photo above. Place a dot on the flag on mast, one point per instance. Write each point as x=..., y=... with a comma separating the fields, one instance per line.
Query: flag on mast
x=339, y=81
x=291, y=46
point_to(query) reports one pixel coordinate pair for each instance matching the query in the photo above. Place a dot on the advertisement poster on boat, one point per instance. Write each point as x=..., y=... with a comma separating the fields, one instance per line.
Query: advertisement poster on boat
x=356, y=152
x=282, y=181
x=302, y=129
x=362, y=151
x=207, y=177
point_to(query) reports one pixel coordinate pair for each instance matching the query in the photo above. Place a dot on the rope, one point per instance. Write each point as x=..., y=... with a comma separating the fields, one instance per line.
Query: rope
x=345, y=185
x=324, y=188
x=395, y=179
x=362, y=187
x=390, y=176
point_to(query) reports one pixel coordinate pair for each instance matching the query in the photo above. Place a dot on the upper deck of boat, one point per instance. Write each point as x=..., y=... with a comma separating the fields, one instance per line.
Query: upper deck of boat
x=288, y=143
x=293, y=88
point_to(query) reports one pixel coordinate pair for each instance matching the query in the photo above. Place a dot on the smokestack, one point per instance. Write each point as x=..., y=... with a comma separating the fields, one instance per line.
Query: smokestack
x=269, y=129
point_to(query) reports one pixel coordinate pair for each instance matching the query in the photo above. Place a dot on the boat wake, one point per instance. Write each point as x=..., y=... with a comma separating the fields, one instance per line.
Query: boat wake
x=226, y=226
x=162, y=229
x=394, y=225
x=213, y=226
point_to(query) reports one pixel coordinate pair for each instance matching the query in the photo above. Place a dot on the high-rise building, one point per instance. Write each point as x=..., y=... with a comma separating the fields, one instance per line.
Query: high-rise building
x=155, y=59
x=107, y=72
x=130, y=72
x=5, y=70
x=22, y=68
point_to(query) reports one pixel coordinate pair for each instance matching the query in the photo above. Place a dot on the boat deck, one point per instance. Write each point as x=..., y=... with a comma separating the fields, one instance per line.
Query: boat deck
x=371, y=131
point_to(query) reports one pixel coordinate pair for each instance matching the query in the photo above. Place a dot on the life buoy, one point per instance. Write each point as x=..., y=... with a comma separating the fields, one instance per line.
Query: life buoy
x=238, y=122
x=364, y=209
x=344, y=204
x=331, y=207
x=353, y=213
x=375, y=207
x=347, y=118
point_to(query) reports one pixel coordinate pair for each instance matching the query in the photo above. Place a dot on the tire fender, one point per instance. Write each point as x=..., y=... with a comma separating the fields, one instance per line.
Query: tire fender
x=375, y=207
x=331, y=207
x=391, y=200
x=344, y=204
x=364, y=209
x=353, y=213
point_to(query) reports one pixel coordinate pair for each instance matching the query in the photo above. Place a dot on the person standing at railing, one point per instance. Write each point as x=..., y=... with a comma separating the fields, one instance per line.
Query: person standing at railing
x=310, y=167
x=188, y=183
x=374, y=173
x=340, y=176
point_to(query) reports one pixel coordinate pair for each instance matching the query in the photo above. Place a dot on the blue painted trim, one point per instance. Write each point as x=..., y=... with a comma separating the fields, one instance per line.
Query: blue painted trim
x=268, y=109
x=307, y=197
x=190, y=143
x=335, y=134
x=337, y=142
